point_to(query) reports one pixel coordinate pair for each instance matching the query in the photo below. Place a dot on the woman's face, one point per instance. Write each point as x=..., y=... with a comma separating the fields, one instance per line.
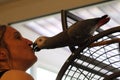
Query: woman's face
x=22, y=55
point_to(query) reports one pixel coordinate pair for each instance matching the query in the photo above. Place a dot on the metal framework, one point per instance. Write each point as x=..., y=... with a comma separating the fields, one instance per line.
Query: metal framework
x=92, y=63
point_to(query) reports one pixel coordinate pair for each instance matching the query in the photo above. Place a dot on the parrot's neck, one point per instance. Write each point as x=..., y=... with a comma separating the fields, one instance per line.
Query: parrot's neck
x=59, y=40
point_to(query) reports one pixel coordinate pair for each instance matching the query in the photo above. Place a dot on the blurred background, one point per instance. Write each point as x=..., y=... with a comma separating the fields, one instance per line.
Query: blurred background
x=34, y=18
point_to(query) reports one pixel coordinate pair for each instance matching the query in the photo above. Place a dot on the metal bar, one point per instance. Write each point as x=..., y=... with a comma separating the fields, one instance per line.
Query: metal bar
x=98, y=63
x=77, y=65
x=65, y=26
x=64, y=19
x=74, y=17
x=112, y=76
x=110, y=36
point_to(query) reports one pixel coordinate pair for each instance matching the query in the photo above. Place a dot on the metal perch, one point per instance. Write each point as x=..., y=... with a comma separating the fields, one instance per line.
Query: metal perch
x=82, y=63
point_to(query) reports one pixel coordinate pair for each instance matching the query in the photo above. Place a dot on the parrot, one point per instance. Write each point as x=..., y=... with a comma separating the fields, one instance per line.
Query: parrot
x=76, y=35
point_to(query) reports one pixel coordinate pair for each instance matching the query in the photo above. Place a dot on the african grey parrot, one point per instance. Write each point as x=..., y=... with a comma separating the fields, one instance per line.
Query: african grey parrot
x=75, y=35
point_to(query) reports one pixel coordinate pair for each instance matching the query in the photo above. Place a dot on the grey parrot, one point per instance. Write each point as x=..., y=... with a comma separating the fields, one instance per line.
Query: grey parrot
x=76, y=35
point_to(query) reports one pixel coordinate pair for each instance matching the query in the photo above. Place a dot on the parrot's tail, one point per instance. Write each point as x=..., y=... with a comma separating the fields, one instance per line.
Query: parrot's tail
x=103, y=20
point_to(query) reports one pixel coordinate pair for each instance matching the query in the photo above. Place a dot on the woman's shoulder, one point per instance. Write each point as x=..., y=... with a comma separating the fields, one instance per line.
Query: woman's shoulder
x=16, y=75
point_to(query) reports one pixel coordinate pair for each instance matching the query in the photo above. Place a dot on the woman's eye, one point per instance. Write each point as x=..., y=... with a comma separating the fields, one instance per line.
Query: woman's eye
x=17, y=36
x=40, y=39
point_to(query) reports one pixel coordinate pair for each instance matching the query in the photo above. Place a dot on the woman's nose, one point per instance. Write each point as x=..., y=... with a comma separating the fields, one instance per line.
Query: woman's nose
x=29, y=42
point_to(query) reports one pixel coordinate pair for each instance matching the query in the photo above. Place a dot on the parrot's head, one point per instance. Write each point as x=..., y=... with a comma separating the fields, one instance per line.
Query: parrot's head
x=39, y=43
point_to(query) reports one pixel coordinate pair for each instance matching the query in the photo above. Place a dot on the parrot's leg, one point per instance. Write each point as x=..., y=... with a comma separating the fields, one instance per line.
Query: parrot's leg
x=107, y=42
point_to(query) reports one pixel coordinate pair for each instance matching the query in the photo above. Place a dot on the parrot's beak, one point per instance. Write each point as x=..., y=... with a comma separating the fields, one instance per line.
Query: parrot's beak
x=103, y=20
x=35, y=47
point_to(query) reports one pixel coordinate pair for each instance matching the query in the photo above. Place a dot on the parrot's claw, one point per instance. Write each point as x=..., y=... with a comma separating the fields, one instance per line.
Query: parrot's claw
x=35, y=47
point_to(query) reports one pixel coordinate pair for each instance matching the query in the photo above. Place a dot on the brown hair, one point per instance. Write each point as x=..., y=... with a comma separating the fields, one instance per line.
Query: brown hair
x=2, y=31
x=3, y=44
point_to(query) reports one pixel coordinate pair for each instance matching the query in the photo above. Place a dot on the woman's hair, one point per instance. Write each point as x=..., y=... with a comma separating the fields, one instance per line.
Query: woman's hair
x=3, y=44
x=2, y=31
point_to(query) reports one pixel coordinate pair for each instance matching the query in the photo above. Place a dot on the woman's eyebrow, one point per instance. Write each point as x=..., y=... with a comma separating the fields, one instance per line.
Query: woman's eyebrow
x=17, y=33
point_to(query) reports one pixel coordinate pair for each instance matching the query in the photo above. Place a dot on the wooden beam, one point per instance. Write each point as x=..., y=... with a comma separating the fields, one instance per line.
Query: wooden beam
x=18, y=10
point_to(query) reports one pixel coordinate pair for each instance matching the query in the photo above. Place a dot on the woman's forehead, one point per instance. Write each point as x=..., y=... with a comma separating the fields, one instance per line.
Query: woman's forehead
x=10, y=31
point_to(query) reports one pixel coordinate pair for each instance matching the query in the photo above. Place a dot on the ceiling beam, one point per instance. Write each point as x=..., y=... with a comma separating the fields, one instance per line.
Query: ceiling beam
x=18, y=10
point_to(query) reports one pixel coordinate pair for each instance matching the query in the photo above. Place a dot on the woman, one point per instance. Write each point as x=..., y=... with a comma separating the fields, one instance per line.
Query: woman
x=16, y=55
